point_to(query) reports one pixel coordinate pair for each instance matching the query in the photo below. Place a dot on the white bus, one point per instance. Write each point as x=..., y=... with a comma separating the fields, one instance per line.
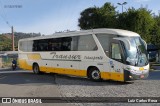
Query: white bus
x=109, y=54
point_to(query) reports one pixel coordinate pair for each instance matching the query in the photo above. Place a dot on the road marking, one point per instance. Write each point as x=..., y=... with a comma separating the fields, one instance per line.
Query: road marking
x=3, y=72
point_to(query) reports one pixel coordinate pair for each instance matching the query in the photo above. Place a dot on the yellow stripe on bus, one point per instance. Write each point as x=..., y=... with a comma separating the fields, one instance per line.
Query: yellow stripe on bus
x=113, y=76
x=83, y=73
x=75, y=72
x=35, y=56
x=23, y=64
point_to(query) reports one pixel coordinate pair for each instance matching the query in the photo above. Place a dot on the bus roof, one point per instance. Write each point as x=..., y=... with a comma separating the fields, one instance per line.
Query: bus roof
x=120, y=32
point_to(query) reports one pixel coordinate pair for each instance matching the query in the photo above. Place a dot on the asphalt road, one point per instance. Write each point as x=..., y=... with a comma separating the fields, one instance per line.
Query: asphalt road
x=26, y=84
x=154, y=75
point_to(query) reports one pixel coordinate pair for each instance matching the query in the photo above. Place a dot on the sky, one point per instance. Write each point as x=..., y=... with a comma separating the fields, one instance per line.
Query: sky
x=50, y=16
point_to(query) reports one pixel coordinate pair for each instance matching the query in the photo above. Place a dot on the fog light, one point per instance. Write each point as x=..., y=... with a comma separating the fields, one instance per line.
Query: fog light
x=130, y=77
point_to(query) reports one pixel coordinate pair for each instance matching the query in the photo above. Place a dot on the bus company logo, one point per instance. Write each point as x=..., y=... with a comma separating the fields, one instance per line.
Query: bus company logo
x=6, y=100
x=67, y=57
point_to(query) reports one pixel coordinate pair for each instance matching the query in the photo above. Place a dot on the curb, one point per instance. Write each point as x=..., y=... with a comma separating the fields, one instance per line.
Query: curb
x=8, y=69
x=151, y=70
x=155, y=64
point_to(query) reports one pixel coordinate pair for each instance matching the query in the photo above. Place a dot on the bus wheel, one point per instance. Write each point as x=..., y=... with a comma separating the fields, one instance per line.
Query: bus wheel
x=94, y=74
x=36, y=69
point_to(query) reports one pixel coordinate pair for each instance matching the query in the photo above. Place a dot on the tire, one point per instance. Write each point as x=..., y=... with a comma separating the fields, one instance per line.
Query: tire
x=36, y=69
x=13, y=67
x=94, y=74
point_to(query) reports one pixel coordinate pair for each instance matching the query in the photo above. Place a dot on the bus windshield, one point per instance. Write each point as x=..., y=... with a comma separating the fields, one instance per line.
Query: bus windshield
x=137, y=54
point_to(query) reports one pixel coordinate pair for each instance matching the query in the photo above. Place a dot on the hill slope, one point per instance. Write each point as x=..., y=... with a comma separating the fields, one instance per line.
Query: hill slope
x=6, y=39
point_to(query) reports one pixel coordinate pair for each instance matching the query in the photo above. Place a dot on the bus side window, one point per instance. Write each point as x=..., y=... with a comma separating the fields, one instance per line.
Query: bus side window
x=86, y=43
x=66, y=44
x=24, y=46
x=49, y=46
x=74, y=43
x=35, y=46
x=115, y=52
x=104, y=40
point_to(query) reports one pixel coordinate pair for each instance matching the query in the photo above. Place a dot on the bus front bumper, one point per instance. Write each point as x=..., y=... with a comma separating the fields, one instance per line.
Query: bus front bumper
x=128, y=76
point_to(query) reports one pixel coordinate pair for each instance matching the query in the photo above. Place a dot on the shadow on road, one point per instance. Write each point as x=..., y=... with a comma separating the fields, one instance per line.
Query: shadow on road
x=68, y=80
x=26, y=78
x=49, y=79
x=30, y=78
x=71, y=80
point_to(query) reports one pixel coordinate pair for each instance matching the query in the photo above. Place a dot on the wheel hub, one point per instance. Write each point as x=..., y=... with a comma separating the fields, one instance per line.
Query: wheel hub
x=95, y=74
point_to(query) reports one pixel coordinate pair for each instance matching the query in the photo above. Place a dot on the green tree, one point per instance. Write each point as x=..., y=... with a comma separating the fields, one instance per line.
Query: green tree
x=98, y=17
x=5, y=43
x=126, y=20
x=89, y=18
x=155, y=31
x=140, y=21
x=108, y=15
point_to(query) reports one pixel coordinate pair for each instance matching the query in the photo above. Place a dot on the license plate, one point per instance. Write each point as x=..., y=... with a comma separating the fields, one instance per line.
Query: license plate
x=142, y=76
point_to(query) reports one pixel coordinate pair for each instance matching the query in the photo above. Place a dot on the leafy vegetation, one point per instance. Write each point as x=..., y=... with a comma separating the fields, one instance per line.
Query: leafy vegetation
x=140, y=20
x=6, y=39
x=5, y=43
x=94, y=17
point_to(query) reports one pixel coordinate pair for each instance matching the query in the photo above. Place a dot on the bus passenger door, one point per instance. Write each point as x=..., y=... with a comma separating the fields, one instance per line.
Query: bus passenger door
x=116, y=61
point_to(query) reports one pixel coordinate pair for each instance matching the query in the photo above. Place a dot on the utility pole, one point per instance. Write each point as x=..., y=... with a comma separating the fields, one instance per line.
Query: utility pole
x=12, y=39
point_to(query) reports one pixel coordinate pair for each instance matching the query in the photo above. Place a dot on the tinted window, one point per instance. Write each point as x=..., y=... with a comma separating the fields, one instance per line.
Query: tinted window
x=75, y=43
x=54, y=44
